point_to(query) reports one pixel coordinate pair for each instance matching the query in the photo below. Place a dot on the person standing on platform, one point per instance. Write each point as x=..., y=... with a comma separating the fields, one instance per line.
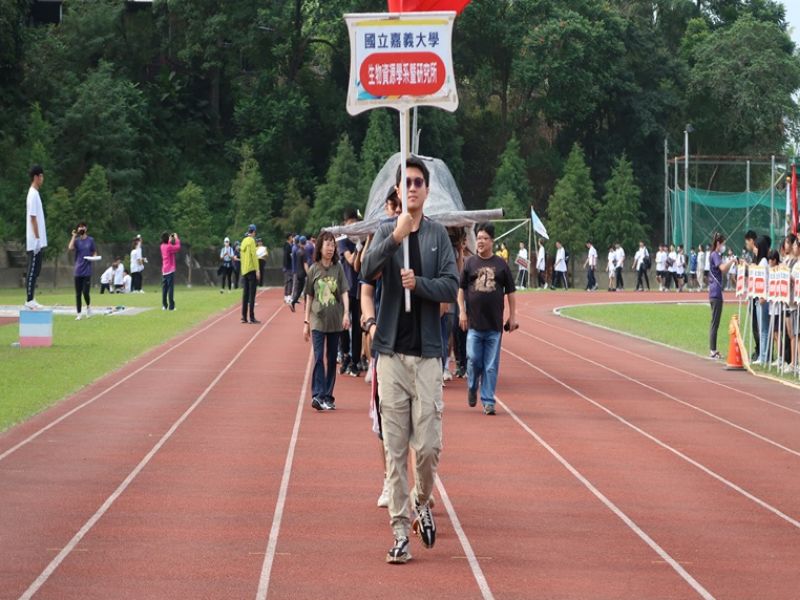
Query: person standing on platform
x=36, y=235
x=250, y=275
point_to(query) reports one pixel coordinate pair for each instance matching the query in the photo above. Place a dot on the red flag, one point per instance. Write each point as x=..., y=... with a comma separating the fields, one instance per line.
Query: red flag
x=794, y=199
x=427, y=5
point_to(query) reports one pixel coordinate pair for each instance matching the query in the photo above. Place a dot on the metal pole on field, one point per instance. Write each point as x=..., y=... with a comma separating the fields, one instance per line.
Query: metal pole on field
x=747, y=189
x=530, y=252
x=666, y=188
x=687, y=240
x=677, y=200
x=772, y=198
x=404, y=191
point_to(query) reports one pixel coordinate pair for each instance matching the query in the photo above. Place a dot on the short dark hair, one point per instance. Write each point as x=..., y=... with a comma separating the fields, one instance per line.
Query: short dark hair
x=487, y=227
x=774, y=255
x=35, y=170
x=350, y=213
x=325, y=235
x=417, y=162
x=763, y=242
x=165, y=237
x=751, y=235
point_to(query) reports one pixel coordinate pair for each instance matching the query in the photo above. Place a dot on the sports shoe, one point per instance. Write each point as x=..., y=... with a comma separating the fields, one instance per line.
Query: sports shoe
x=424, y=525
x=472, y=397
x=255, y=321
x=353, y=370
x=330, y=401
x=319, y=404
x=461, y=372
x=488, y=408
x=714, y=355
x=31, y=305
x=291, y=306
x=447, y=375
x=88, y=311
x=399, y=554
x=79, y=317
x=383, y=499
x=344, y=365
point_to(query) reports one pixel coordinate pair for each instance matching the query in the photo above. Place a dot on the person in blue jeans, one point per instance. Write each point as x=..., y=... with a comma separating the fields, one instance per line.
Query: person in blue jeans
x=485, y=282
x=326, y=316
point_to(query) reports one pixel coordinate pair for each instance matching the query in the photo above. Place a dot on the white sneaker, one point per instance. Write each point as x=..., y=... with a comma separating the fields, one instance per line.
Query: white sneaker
x=88, y=311
x=447, y=375
x=31, y=305
x=383, y=499
x=79, y=317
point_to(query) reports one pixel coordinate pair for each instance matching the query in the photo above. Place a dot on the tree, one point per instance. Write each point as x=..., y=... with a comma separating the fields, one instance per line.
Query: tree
x=511, y=190
x=296, y=210
x=619, y=218
x=251, y=202
x=339, y=190
x=61, y=221
x=94, y=204
x=192, y=221
x=572, y=206
x=380, y=143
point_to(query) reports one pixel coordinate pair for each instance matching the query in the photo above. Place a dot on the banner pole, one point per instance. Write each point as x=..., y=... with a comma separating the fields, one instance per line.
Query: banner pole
x=404, y=192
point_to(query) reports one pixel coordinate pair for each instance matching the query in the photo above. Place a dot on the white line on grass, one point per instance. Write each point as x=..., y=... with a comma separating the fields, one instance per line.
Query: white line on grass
x=703, y=592
x=477, y=572
x=667, y=395
x=65, y=551
x=691, y=461
x=277, y=517
x=651, y=360
x=118, y=383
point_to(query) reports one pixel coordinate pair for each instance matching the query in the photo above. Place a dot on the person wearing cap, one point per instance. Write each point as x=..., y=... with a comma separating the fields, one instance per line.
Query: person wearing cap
x=261, y=254
x=226, y=264
x=137, y=265
x=300, y=266
x=250, y=275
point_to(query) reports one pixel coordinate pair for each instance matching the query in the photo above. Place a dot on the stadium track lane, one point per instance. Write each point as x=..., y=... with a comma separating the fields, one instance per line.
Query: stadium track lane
x=46, y=501
x=725, y=536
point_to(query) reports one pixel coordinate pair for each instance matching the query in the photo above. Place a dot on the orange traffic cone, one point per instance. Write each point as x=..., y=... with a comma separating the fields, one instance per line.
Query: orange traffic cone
x=734, y=361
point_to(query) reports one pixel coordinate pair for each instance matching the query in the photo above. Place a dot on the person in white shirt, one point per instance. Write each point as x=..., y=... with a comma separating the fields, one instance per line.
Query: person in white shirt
x=137, y=265
x=35, y=234
x=591, y=265
x=541, y=265
x=107, y=278
x=522, y=267
x=680, y=269
x=661, y=267
x=119, y=276
x=672, y=258
x=560, y=267
x=126, y=283
x=701, y=267
x=620, y=266
x=611, y=268
x=641, y=263
x=707, y=266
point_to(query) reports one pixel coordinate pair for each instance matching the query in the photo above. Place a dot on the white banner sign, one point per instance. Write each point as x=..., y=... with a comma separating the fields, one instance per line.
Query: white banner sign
x=401, y=60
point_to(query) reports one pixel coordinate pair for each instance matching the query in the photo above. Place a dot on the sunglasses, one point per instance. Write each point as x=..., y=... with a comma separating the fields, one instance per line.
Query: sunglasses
x=417, y=182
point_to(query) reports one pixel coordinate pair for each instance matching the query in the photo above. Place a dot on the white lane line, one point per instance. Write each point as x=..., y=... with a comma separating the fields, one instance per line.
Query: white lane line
x=664, y=445
x=703, y=592
x=477, y=572
x=65, y=551
x=667, y=395
x=99, y=395
x=653, y=361
x=277, y=517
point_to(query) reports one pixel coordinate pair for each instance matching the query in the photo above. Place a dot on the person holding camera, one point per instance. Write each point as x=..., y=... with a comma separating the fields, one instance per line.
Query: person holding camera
x=486, y=280
x=83, y=245
x=170, y=245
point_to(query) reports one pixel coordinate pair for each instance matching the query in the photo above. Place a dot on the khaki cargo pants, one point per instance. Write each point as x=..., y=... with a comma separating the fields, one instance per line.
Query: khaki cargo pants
x=410, y=389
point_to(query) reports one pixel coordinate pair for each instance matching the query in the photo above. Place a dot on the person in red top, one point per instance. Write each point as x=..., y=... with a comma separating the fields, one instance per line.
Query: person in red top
x=170, y=245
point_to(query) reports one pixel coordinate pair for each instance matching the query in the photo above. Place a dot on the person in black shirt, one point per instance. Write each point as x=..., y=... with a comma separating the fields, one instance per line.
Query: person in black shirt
x=286, y=267
x=486, y=280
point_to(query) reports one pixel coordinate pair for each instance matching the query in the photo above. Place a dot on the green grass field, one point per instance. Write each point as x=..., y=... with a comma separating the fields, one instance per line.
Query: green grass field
x=681, y=325
x=82, y=351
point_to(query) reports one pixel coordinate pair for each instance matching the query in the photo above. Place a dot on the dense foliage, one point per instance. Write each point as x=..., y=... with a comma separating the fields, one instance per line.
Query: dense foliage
x=138, y=111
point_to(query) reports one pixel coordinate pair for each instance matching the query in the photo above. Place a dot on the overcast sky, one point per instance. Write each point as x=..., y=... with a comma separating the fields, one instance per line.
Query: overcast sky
x=793, y=16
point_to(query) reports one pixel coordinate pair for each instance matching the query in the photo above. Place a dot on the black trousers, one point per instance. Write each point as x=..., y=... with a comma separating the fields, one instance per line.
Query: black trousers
x=262, y=268
x=350, y=342
x=716, y=316
x=756, y=330
x=136, y=282
x=249, y=284
x=591, y=282
x=298, y=286
x=642, y=273
x=227, y=274
x=540, y=277
x=620, y=283
x=82, y=287
x=34, y=268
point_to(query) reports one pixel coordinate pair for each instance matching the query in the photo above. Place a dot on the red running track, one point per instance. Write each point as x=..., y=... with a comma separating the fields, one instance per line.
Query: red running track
x=615, y=468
